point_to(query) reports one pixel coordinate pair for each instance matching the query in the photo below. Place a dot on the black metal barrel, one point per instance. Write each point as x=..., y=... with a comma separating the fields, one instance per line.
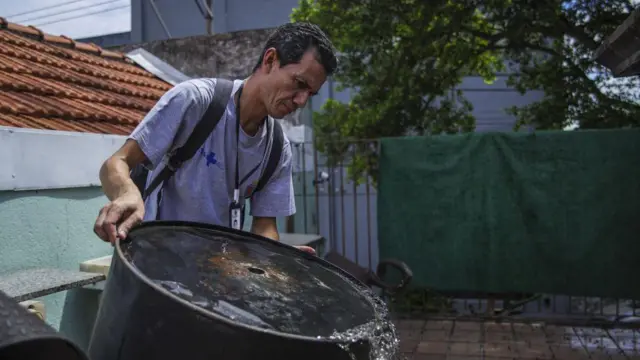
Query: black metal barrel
x=23, y=336
x=181, y=290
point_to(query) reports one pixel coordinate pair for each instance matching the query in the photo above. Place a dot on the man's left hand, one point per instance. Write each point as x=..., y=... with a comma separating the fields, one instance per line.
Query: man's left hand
x=266, y=226
x=308, y=249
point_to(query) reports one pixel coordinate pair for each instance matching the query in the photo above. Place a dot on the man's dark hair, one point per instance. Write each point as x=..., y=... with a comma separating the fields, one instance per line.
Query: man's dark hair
x=293, y=40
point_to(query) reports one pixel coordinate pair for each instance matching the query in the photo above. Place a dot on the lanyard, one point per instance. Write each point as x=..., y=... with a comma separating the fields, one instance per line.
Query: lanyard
x=236, y=207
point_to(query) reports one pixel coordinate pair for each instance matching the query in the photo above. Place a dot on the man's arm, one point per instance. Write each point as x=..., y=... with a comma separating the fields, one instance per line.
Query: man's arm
x=275, y=199
x=126, y=207
x=114, y=173
x=179, y=108
x=265, y=226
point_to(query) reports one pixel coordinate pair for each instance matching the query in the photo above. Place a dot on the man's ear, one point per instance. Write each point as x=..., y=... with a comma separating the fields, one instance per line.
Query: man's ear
x=270, y=59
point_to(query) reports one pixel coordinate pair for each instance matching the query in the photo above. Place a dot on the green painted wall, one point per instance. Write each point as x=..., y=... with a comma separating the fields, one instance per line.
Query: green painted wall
x=54, y=228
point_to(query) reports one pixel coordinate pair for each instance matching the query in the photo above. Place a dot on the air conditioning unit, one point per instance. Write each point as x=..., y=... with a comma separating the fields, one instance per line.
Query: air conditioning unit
x=36, y=308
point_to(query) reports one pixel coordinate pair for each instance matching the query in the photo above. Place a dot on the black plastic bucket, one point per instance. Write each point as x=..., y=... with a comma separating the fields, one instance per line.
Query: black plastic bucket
x=23, y=336
x=181, y=290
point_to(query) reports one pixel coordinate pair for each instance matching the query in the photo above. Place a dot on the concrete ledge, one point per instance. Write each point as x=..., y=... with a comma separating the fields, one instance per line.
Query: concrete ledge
x=34, y=283
x=97, y=266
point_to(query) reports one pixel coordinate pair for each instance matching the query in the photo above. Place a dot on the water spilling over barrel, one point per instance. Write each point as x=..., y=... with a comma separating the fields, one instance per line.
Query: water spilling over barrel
x=180, y=290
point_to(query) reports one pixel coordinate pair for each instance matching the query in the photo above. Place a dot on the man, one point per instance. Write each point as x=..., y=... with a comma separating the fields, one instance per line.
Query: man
x=294, y=64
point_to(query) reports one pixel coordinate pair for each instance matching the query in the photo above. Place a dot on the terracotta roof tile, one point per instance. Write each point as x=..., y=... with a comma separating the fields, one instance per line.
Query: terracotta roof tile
x=54, y=83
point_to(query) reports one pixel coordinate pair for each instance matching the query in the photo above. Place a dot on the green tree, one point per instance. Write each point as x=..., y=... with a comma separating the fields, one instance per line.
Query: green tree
x=406, y=57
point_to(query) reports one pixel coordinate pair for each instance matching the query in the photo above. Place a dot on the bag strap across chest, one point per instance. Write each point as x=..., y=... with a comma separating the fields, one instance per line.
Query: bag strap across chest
x=198, y=136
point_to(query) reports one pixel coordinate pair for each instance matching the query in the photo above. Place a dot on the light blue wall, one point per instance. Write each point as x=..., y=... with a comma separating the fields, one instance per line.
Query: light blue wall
x=54, y=228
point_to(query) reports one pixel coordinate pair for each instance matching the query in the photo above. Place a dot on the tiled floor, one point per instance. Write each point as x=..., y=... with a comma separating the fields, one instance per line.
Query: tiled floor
x=458, y=340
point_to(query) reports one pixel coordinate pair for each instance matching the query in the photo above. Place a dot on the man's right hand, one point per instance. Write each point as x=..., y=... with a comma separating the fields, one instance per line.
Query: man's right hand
x=119, y=216
x=126, y=208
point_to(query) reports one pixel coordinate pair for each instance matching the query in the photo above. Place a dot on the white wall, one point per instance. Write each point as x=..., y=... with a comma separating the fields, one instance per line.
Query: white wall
x=41, y=159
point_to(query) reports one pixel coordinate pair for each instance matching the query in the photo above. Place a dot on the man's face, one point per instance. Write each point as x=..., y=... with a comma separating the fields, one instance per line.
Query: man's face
x=289, y=88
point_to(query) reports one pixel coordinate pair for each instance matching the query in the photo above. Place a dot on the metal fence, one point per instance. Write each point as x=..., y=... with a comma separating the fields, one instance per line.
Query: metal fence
x=345, y=213
x=329, y=203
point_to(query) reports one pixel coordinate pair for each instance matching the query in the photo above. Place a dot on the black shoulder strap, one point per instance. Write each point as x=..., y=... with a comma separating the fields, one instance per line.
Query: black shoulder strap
x=200, y=133
x=274, y=155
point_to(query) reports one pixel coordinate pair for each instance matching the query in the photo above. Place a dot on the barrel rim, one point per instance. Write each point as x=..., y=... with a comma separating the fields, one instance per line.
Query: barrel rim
x=33, y=339
x=212, y=315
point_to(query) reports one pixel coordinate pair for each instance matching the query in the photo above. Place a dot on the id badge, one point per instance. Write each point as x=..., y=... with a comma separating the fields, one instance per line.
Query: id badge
x=235, y=216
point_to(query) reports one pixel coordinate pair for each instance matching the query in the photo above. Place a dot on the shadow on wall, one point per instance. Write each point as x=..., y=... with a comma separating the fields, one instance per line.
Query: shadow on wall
x=78, y=315
x=61, y=194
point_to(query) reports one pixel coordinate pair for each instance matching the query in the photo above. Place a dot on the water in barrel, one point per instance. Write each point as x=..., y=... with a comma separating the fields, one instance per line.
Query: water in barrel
x=262, y=284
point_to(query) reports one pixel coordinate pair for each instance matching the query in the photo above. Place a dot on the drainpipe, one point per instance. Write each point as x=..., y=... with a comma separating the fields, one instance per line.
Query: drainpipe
x=209, y=16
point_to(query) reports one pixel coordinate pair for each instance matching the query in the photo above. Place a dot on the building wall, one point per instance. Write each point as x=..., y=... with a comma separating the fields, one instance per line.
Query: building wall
x=229, y=55
x=232, y=15
x=108, y=40
x=53, y=228
x=49, y=198
x=185, y=18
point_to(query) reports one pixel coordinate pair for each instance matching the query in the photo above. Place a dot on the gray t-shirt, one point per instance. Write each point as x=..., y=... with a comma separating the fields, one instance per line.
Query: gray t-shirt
x=202, y=189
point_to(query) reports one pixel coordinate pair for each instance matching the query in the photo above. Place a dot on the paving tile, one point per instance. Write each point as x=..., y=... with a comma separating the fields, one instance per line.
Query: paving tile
x=627, y=340
x=432, y=347
x=408, y=346
x=468, y=326
x=464, y=348
x=435, y=335
x=564, y=352
x=502, y=341
x=520, y=328
x=410, y=324
x=535, y=340
x=428, y=357
x=439, y=324
x=466, y=336
x=491, y=326
x=499, y=337
x=621, y=357
x=590, y=331
x=526, y=351
x=500, y=350
x=410, y=334
x=537, y=334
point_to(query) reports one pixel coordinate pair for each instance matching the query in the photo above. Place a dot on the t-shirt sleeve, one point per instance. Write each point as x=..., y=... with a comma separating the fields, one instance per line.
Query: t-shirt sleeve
x=277, y=199
x=170, y=121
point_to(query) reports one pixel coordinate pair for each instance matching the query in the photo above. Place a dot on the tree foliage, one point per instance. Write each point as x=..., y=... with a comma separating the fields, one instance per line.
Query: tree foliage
x=406, y=58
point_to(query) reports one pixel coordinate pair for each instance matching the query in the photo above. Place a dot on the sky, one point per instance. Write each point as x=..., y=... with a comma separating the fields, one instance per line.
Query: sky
x=73, y=18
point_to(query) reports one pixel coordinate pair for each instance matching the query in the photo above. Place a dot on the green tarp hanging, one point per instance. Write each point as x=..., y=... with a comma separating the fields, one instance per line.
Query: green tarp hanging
x=549, y=212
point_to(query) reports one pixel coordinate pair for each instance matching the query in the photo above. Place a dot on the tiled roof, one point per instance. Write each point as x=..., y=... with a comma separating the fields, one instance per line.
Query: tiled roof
x=54, y=83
